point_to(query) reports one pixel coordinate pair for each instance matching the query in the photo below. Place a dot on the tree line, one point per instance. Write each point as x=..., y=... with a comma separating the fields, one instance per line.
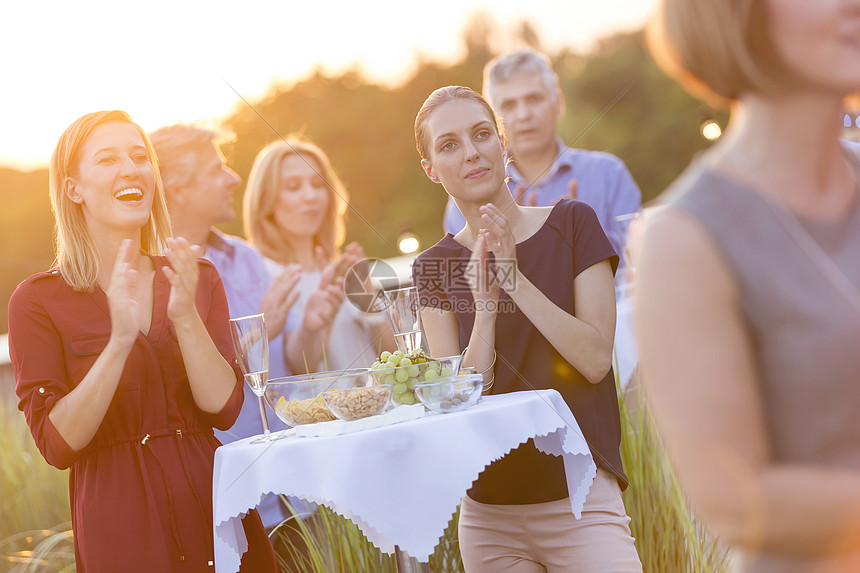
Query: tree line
x=616, y=101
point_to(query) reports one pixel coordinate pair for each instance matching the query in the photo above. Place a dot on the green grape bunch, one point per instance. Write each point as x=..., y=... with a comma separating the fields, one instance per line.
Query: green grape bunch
x=402, y=371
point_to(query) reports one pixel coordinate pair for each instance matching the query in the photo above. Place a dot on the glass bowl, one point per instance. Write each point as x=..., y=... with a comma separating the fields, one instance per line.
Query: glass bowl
x=299, y=399
x=356, y=403
x=403, y=379
x=450, y=394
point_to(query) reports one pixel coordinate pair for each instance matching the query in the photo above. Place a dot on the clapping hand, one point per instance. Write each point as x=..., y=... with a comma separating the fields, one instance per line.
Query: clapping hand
x=324, y=303
x=352, y=254
x=182, y=274
x=572, y=191
x=525, y=196
x=279, y=298
x=499, y=239
x=529, y=198
x=122, y=296
x=480, y=275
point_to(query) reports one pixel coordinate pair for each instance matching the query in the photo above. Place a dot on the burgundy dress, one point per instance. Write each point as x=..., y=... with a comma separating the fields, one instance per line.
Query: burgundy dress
x=141, y=491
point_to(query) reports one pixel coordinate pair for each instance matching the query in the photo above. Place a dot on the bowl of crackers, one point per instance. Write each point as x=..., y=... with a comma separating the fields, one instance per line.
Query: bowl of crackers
x=301, y=399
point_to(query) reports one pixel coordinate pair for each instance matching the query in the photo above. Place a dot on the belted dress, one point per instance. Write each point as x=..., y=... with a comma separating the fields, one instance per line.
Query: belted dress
x=141, y=490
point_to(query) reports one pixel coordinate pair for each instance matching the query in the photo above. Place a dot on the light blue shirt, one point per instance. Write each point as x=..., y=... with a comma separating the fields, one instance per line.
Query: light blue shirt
x=604, y=183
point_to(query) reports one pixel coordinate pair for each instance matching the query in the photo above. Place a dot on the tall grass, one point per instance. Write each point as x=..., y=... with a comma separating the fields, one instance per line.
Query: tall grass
x=668, y=537
x=42, y=551
x=327, y=542
x=35, y=495
x=34, y=498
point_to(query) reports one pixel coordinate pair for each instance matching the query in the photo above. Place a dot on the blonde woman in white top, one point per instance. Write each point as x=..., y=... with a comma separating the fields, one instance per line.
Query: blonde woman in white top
x=294, y=210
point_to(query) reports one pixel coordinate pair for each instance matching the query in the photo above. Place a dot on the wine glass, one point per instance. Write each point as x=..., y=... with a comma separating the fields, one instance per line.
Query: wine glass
x=251, y=342
x=405, y=317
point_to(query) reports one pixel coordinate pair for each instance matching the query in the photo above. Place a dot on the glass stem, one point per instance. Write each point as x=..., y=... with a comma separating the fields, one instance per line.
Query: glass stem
x=263, y=416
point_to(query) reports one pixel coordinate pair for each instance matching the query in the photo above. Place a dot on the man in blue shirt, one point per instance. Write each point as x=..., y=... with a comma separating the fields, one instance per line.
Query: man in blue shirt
x=199, y=189
x=524, y=91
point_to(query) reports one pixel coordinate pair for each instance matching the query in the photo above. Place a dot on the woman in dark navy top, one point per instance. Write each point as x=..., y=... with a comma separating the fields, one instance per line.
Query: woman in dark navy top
x=528, y=292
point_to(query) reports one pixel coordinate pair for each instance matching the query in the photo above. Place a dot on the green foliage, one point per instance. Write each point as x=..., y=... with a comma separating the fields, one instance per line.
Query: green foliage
x=326, y=541
x=41, y=551
x=653, y=128
x=668, y=537
x=367, y=129
x=26, y=230
x=33, y=495
x=446, y=557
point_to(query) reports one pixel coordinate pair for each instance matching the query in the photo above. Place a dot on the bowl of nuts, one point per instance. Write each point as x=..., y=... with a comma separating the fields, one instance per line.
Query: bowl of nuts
x=450, y=394
x=299, y=399
x=356, y=403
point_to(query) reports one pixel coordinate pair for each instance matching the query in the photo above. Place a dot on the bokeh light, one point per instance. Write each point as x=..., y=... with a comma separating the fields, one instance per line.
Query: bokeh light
x=711, y=130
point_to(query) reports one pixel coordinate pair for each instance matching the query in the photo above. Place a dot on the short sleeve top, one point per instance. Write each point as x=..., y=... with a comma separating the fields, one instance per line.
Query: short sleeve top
x=570, y=241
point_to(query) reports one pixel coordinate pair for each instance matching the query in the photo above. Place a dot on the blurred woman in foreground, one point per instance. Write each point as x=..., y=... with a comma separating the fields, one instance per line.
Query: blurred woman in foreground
x=749, y=287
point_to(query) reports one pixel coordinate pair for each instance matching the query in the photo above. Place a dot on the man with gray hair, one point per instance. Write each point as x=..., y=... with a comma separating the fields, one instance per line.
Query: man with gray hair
x=524, y=91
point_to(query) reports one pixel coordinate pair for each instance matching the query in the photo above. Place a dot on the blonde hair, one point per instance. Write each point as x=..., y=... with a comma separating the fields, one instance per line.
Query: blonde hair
x=76, y=254
x=442, y=96
x=264, y=184
x=717, y=49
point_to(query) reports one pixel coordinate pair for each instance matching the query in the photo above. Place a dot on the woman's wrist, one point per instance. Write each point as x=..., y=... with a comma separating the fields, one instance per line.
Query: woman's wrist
x=487, y=372
x=307, y=330
x=507, y=274
x=485, y=313
x=188, y=323
x=310, y=338
x=518, y=285
x=118, y=346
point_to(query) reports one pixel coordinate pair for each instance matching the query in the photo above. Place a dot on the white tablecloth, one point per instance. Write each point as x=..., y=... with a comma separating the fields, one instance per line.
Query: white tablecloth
x=401, y=483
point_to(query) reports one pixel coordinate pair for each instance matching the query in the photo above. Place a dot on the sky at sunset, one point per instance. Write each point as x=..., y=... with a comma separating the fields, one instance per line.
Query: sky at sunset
x=165, y=62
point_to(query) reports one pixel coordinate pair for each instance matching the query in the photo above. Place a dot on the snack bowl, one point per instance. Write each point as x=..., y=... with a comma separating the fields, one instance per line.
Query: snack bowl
x=403, y=379
x=450, y=394
x=299, y=399
x=356, y=403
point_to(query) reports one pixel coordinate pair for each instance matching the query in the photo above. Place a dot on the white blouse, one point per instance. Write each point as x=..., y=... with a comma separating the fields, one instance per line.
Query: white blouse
x=350, y=341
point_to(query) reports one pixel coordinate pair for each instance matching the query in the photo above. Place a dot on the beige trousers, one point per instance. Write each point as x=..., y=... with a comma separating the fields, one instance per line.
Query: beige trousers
x=547, y=538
